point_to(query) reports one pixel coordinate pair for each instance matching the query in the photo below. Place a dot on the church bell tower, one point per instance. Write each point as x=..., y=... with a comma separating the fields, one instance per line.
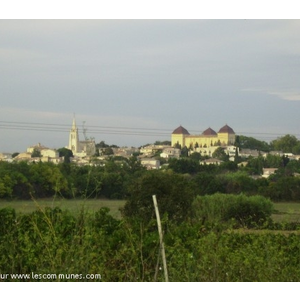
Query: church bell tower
x=74, y=138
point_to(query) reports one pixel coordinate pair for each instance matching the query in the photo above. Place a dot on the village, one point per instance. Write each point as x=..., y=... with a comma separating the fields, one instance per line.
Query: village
x=151, y=156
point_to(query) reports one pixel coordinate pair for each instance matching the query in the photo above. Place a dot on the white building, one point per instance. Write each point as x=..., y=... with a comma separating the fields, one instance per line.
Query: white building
x=80, y=148
x=170, y=152
x=150, y=163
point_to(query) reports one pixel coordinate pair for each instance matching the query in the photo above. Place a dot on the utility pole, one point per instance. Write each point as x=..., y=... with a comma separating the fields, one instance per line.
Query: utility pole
x=162, y=247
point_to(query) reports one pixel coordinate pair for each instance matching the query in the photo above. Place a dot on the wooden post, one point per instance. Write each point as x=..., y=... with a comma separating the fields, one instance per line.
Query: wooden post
x=162, y=247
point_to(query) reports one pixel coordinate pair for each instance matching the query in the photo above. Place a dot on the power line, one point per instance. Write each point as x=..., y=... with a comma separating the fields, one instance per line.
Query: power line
x=115, y=130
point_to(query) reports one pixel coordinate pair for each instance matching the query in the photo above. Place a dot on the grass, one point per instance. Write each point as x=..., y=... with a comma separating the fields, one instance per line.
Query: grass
x=286, y=212
x=73, y=205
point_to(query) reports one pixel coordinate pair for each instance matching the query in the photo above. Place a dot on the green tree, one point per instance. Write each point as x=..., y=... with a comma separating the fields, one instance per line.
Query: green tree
x=163, y=143
x=286, y=144
x=174, y=196
x=245, y=142
x=36, y=153
x=108, y=151
x=65, y=153
x=184, y=165
x=184, y=152
x=219, y=153
x=15, y=154
x=102, y=144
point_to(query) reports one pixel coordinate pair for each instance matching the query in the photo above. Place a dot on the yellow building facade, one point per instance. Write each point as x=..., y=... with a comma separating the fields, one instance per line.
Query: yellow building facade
x=224, y=137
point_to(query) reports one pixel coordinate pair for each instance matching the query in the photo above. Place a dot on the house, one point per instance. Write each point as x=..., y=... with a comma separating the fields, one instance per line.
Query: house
x=6, y=157
x=170, y=152
x=150, y=163
x=211, y=161
x=268, y=171
x=245, y=153
x=23, y=156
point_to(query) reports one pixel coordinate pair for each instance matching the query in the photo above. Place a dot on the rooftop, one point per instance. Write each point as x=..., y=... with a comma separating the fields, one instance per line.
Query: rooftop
x=180, y=130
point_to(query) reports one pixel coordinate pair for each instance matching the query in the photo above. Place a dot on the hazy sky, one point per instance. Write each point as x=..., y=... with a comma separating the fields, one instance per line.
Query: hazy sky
x=132, y=82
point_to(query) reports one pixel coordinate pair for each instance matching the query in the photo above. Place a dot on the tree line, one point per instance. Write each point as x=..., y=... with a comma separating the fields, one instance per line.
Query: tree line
x=117, y=178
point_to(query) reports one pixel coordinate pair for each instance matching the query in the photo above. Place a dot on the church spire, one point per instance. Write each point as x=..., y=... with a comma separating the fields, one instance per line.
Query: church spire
x=74, y=138
x=74, y=122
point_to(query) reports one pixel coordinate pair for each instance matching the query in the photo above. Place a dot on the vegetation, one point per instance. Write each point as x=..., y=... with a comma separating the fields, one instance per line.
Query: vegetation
x=220, y=222
x=57, y=242
x=242, y=210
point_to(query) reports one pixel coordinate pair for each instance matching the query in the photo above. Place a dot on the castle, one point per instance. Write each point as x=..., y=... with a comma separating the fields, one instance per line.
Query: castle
x=209, y=138
x=80, y=148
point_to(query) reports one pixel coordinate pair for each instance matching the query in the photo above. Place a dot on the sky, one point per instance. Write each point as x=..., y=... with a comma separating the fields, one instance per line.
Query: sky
x=130, y=82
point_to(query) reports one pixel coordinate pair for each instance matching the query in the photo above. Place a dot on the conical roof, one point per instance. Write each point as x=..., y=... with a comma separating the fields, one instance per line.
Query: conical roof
x=209, y=131
x=226, y=129
x=180, y=130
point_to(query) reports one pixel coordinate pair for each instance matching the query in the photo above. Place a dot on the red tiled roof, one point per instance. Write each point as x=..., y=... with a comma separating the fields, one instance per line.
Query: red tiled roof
x=209, y=131
x=180, y=130
x=226, y=129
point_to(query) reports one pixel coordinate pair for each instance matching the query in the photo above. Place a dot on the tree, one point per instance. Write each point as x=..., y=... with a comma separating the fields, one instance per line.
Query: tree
x=219, y=153
x=245, y=142
x=108, y=151
x=184, y=152
x=36, y=153
x=15, y=154
x=174, y=195
x=163, y=143
x=65, y=153
x=287, y=144
x=184, y=165
x=102, y=145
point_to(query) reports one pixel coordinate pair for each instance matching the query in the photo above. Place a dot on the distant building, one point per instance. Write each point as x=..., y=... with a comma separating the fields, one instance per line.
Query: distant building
x=211, y=161
x=80, y=148
x=150, y=163
x=245, y=153
x=170, y=152
x=6, y=157
x=268, y=171
x=209, y=138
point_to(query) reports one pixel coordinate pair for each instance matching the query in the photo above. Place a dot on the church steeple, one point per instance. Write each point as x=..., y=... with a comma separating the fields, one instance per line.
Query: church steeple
x=74, y=137
x=74, y=123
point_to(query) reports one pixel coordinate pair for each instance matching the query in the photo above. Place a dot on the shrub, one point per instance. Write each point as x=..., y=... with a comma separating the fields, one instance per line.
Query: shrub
x=246, y=211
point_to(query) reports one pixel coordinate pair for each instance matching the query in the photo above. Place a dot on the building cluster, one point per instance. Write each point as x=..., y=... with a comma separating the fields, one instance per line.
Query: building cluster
x=150, y=156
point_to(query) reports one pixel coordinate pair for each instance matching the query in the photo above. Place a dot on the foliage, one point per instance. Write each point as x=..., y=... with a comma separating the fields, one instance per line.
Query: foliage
x=174, y=195
x=219, y=153
x=163, y=143
x=287, y=144
x=36, y=153
x=15, y=154
x=53, y=241
x=65, y=153
x=246, y=211
x=184, y=165
x=246, y=142
x=285, y=188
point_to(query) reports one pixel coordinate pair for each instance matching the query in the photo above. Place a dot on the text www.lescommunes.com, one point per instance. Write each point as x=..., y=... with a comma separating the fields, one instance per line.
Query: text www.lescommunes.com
x=36, y=276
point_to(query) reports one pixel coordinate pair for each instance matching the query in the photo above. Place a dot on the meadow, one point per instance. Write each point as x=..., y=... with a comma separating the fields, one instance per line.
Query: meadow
x=283, y=211
x=73, y=205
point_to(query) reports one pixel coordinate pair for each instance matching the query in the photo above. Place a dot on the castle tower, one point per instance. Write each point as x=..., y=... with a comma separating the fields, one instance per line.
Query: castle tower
x=178, y=136
x=74, y=138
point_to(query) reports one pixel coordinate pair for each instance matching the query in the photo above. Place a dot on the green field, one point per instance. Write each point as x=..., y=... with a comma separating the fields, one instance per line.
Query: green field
x=73, y=205
x=284, y=212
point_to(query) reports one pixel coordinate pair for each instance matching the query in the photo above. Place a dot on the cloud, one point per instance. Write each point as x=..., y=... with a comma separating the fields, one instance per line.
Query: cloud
x=291, y=95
